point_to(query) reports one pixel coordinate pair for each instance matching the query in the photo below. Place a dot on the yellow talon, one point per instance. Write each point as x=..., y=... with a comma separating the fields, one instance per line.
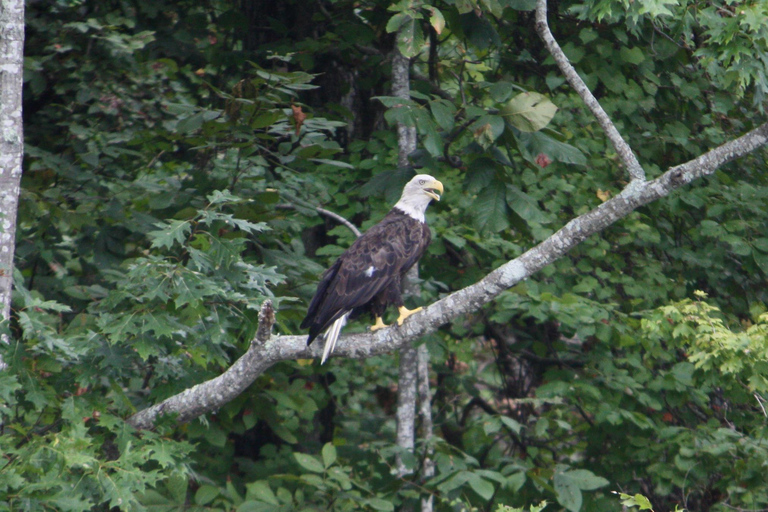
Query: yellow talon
x=378, y=325
x=405, y=313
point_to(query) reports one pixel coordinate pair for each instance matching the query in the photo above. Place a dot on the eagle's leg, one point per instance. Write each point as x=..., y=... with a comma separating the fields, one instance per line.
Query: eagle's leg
x=405, y=313
x=378, y=325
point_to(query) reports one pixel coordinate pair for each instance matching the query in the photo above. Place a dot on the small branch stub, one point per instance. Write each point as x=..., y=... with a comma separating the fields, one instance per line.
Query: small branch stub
x=266, y=321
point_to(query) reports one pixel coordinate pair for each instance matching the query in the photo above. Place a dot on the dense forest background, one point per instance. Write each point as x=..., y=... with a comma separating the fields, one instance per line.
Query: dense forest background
x=175, y=156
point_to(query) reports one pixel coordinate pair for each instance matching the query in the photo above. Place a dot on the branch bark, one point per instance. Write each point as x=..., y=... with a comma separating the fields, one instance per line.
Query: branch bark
x=425, y=413
x=11, y=142
x=623, y=149
x=407, y=370
x=339, y=218
x=213, y=394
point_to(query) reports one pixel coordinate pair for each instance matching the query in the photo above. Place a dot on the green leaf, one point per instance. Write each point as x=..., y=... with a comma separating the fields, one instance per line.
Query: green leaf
x=334, y=163
x=260, y=491
x=569, y=484
x=525, y=206
x=633, y=56
x=482, y=487
x=206, y=494
x=490, y=209
x=529, y=111
x=638, y=500
x=174, y=231
x=511, y=424
x=329, y=454
x=536, y=143
x=257, y=506
x=308, y=462
x=436, y=19
x=585, y=479
x=379, y=504
x=465, y=6
x=522, y=5
x=191, y=123
x=397, y=21
x=568, y=493
x=410, y=38
x=222, y=197
x=444, y=112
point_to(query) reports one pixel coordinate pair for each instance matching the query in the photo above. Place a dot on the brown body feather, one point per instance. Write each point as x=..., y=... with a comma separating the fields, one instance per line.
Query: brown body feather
x=368, y=274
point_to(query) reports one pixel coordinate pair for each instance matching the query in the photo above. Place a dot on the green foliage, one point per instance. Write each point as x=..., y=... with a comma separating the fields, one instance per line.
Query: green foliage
x=638, y=500
x=175, y=154
x=535, y=508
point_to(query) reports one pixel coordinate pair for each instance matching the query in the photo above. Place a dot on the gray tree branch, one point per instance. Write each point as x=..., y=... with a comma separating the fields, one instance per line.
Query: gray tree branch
x=213, y=394
x=634, y=168
x=11, y=142
x=339, y=218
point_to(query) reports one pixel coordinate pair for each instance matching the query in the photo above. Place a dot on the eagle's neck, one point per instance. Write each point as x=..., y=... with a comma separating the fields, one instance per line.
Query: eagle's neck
x=413, y=207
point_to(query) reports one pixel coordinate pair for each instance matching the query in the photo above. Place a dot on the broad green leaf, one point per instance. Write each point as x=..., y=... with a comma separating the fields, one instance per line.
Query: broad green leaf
x=177, y=484
x=465, y=6
x=482, y=487
x=525, y=206
x=633, y=56
x=529, y=111
x=493, y=6
x=490, y=209
x=436, y=19
x=397, y=21
x=379, y=504
x=329, y=454
x=568, y=493
x=308, y=462
x=444, y=112
x=538, y=143
x=410, y=38
x=260, y=491
x=585, y=479
x=512, y=424
x=206, y=494
x=487, y=129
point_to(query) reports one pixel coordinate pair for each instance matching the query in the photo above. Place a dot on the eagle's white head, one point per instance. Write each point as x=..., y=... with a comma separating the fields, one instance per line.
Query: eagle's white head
x=417, y=194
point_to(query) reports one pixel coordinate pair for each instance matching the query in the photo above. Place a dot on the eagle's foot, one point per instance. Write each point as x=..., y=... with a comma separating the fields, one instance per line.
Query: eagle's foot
x=405, y=313
x=378, y=325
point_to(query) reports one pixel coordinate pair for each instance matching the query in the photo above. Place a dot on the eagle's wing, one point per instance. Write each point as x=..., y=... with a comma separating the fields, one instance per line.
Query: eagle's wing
x=371, y=263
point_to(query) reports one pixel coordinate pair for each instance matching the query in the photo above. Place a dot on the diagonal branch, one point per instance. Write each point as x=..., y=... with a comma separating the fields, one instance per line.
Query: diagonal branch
x=634, y=168
x=213, y=394
x=339, y=218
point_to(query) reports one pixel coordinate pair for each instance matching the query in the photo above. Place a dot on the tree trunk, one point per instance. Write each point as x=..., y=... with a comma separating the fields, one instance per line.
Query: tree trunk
x=11, y=141
x=407, y=376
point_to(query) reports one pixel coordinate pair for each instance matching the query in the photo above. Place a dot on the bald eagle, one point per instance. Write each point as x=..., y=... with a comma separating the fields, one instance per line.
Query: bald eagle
x=368, y=274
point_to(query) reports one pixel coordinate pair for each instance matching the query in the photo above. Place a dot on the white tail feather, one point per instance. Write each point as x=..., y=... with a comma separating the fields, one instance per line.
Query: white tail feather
x=332, y=335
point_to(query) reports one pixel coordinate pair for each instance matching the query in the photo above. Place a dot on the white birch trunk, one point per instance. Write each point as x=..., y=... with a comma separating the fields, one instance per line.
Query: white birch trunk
x=407, y=373
x=11, y=141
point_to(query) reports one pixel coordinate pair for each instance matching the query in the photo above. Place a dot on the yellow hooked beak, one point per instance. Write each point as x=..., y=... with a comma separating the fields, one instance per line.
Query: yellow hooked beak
x=433, y=188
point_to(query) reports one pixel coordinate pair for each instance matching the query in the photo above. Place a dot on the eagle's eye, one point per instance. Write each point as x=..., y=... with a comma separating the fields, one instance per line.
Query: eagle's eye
x=421, y=182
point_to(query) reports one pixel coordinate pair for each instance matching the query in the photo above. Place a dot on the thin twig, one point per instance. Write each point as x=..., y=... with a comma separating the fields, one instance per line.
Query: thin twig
x=760, y=403
x=340, y=219
x=634, y=168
